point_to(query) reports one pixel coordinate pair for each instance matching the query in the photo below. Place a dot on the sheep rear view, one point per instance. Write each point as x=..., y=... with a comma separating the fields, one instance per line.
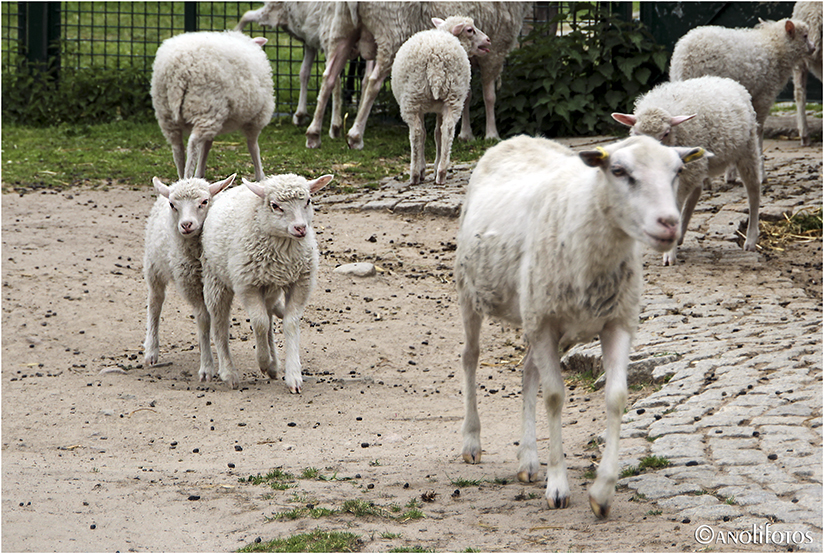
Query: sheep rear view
x=712, y=112
x=548, y=241
x=258, y=244
x=431, y=73
x=172, y=253
x=206, y=84
x=811, y=14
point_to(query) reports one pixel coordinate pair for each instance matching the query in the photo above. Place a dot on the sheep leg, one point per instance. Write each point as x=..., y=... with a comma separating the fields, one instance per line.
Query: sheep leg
x=471, y=429
x=302, y=114
x=368, y=96
x=334, y=65
x=528, y=449
x=752, y=183
x=443, y=142
x=545, y=356
x=254, y=302
x=337, y=110
x=219, y=303
x=615, y=347
x=489, y=79
x=157, y=294
x=417, y=140
x=207, y=362
x=254, y=151
x=800, y=93
x=296, y=300
x=686, y=202
x=175, y=138
x=466, y=125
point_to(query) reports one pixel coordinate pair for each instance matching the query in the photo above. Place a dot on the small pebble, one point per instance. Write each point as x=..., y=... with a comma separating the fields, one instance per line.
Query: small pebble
x=194, y=497
x=238, y=448
x=257, y=540
x=231, y=465
x=92, y=526
x=364, y=445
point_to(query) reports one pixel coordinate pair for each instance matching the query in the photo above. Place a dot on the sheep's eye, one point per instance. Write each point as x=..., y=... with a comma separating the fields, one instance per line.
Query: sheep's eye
x=204, y=203
x=276, y=208
x=619, y=171
x=174, y=209
x=470, y=30
x=665, y=135
x=308, y=201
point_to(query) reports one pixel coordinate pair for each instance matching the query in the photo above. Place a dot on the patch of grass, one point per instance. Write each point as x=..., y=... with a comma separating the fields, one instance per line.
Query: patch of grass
x=805, y=225
x=315, y=541
x=276, y=479
x=653, y=439
x=299, y=513
x=590, y=473
x=654, y=462
x=654, y=513
x=638, y=497
x=362, y=508
x=460, y=482
x=390, y=536
x=131, y=153
x=630, y=471
x=730, y=500
x=375, y=463
x=411, y=549
x=310, y=473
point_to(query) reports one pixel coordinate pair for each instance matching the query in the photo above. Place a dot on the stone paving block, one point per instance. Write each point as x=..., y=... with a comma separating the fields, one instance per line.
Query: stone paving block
x=713, y=513
x=730, y=432
x=654, y=486
x=795, y=409
x=738, y=457
x=679, y=446
x=684, y=502
x=664, y=427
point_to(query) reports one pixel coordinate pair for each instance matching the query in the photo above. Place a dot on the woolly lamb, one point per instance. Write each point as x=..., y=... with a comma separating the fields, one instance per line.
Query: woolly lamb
x=431, y=73
x=310, y=23
x=809, y=13
x=378, y=29
x=173, y=254
x=717, y=114
x=259, y=243
x=761, y=59
x=210, y=83
x=548, y=241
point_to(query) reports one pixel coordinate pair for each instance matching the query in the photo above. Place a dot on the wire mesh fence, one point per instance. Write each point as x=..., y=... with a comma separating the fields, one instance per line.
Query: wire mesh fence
x=127, y=34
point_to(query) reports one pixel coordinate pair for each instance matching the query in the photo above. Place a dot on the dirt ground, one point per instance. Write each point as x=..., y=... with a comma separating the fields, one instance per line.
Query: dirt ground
x=102, y=454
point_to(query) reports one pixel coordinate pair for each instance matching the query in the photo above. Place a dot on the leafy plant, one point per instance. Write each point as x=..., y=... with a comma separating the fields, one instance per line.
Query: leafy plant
x=568, y=85
x=316, y=541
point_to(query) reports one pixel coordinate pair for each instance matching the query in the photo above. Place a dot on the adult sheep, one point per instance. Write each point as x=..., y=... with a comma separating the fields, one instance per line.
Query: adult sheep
x=548, y=241
x=378, y=29
x=811, y=14
x=206, y=84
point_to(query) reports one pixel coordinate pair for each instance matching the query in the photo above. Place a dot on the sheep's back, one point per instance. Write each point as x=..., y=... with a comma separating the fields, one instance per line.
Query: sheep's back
x=431, y=65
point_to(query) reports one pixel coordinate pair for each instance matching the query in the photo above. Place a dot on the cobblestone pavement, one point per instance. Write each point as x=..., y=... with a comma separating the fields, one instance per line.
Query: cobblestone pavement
x=737, y=347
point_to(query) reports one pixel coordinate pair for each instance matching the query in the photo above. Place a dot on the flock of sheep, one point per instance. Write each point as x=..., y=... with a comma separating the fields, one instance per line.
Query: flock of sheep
x=548, y=238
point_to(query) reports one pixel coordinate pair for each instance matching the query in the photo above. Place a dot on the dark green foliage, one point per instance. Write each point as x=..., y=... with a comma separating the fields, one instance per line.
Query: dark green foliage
x=569, y=85
x=40, y=98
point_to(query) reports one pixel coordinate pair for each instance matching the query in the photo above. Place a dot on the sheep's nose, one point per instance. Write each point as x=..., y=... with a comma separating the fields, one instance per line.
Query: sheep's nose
x=186, y=225
x=299, y=230
x=669, y=224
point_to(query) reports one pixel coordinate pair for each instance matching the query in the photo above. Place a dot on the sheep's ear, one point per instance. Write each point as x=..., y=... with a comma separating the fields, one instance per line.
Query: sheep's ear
x=595, y=158
x=679, y=119
x=626, y=119
x=437, y=22
x=458, y=29
x=257, y=188
x=261, y=41
x=160, y=187
x=319, y=183
x=691, y=154
x=215, y=188
x=789, y=26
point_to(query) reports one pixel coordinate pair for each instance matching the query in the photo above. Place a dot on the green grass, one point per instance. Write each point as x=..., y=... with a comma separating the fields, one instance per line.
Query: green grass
x=315, y=541
x=654, y=462
x=460, y=482
x=131, y=153
x=276, y=479
x=411, y=549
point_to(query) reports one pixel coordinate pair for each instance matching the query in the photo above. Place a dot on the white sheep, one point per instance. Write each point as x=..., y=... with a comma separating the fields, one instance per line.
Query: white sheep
x=210, y=83
x=761, y=59
x=172, y=253
x=811, y=14
x=378, y=29
x=431, y=73
x=548, y=241
x=712, y=112
x=310, y=23
x=258, y=243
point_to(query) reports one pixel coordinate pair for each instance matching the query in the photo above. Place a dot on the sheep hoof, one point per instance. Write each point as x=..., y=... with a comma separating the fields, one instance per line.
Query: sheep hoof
x=601, y=511
x=526, y=476
x=355, y=142
x=334, y=131
x=300, y=119
x=312, y=140
x=231, y=380
x=466, y=137
x=472, y=457
x=557, y=501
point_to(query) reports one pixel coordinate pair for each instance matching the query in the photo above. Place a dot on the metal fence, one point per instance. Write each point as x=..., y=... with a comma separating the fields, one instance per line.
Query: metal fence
x=127, y=34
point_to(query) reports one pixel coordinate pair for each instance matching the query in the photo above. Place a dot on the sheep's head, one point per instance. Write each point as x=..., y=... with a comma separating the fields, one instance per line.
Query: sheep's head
x=474, y=41
x=798, y=33
x=189, y=201
x=287, y=203
x=653, y=122
x=642, y=181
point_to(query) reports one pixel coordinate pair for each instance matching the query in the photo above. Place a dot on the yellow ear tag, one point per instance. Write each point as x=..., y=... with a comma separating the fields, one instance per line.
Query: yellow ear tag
x=695, y=156
x=604, y=153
